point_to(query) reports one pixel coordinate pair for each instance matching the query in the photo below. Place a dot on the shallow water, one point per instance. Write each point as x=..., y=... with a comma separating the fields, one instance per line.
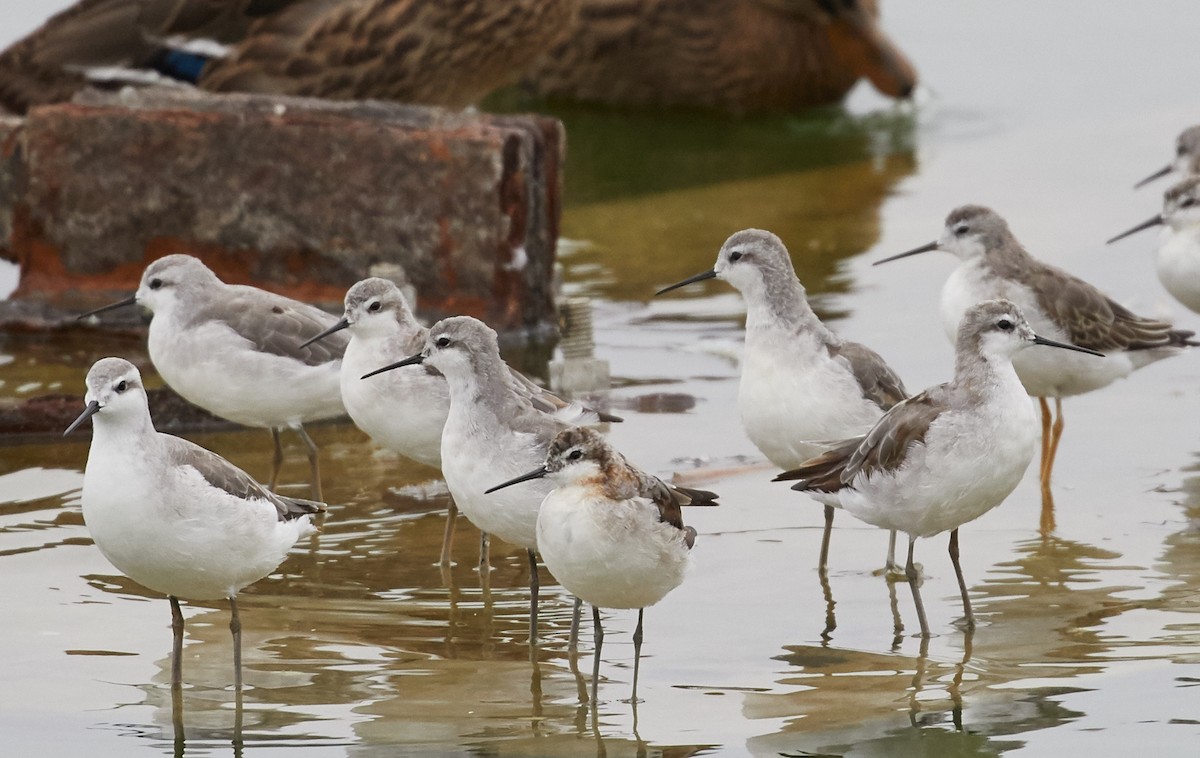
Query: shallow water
x=1090, y=635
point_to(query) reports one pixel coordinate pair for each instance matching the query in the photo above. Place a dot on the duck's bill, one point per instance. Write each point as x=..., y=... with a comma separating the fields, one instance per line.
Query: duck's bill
x=915, y=251
x=131, y=300
x=537, y=473
x=411, y=360
x=1156, y=175
x=1156, y=221
x=710, y=274
x=339, y=326
x=88, y=412
x=1065, y=346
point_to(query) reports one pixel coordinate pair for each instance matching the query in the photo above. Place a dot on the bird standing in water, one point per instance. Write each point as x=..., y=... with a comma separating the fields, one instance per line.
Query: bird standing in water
x=173, y=516
x=801, y=385
x=234, y=350
x=612, y=535
x=946, y=456
x=1059, y=306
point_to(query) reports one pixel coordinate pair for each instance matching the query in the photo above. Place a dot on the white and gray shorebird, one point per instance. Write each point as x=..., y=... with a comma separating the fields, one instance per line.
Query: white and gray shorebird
x=493, y=431
x=1187, y=156
x=1059, y=306
x=234, y=350
x=612, y=535
x=1177, y=259
x=405, y=411
x=801, y=385
x=173, y=516
x=948, y=455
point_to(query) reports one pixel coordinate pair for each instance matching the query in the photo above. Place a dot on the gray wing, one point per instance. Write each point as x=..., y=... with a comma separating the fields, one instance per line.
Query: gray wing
x=547, y=402
x=276, y=324
x=223, y=475
x=879, y=383
x=1093, y=320
x=884, y=448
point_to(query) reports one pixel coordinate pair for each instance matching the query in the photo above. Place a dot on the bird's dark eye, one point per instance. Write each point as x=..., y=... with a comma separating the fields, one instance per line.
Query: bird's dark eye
x=122, y=386
x=155, y=284
x=961, y=229
x=734, y=257
x=1187, y=202
x=1005, y=325
x=375, y=306
x=1181, y=150
x=442, y=341
x=575, y=455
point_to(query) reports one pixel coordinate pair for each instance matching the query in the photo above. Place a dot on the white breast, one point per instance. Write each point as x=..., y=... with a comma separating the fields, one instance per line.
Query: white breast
x=211, y=366
x=168, y=529
x=478, y=454
x=612, y=554
x=1178, y=265
x=792, y=396
x=403, y=410
x=971, y=460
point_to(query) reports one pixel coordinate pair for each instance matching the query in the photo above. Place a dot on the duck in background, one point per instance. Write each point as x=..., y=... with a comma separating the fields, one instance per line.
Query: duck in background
x=727, y=55
x=433, y=52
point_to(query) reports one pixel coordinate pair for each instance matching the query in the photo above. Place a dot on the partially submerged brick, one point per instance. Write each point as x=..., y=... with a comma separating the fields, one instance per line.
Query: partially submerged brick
x=298, y=196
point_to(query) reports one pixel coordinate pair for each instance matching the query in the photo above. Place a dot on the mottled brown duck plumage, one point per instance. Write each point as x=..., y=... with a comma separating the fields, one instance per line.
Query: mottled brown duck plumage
x=733, y=55
x=437, y=52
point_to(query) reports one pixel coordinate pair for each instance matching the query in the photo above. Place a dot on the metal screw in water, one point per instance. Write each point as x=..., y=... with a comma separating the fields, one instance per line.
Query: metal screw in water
x=579, y=370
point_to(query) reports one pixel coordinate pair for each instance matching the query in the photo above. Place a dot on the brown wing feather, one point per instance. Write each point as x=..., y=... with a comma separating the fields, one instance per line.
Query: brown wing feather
x=669, y=500
x=1093, y=320
x=884, y=448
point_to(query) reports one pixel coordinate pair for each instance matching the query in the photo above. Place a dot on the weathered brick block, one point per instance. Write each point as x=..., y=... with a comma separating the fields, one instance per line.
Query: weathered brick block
x=297, y=196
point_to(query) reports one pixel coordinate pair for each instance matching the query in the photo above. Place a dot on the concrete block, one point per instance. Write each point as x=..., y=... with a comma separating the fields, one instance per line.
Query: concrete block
x=297, y=196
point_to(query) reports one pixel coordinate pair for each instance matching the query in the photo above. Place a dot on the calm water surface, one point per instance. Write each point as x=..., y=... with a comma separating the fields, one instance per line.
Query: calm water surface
x=359, y=646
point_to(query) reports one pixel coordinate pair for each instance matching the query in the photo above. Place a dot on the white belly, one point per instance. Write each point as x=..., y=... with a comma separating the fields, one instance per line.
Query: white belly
x=403, y=410
x=212, y=367
x=178, y=538
x=790, y=399
x=476, y=458
x=610, y=554
x=968, y=465
x=1178, y=265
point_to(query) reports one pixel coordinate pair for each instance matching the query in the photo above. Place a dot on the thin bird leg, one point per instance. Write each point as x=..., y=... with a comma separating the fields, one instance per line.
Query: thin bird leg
x=1056, y=435
x=897, y=622
x=176, y=644
x=533, y=597
x=910, y=570
x=891, y=567
x=637, y=654
x=830, y=604
x=824, y=559
x=598, y=640
x=235, y=626
x=968, y=615
x=314, y=464
x=1051, y=436
x=576, y=615
x=484, y=553
x=448, y=536
x=276, y=461
x=1047, y=417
